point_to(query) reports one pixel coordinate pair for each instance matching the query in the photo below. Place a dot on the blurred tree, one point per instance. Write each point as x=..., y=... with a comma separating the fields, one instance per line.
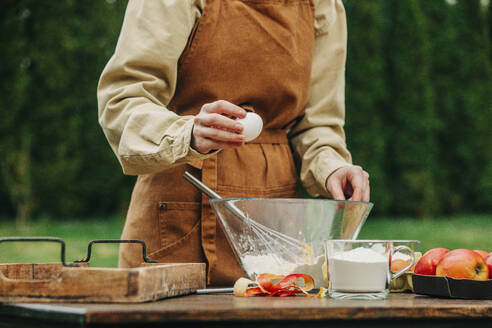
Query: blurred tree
x=81, y=169
x=16, y=124
x=425, y=153
x=410, y=115
x=472, y=146
x=441, y=29
x=489, y=21
x=55, y=52
x=366, y=93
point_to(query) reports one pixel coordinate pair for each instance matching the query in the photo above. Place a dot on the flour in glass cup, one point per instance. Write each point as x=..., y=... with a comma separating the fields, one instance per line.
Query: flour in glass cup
x=358, y=270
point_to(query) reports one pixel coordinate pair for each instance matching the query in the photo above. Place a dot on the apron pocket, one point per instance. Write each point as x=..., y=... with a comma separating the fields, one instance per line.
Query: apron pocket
x=179, y=231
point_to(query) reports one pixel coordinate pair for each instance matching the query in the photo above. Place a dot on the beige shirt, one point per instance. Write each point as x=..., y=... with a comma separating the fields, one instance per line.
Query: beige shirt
x=139, y=81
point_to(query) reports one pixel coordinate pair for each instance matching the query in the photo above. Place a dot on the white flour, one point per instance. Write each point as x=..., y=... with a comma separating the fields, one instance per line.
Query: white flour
x=358, y=270
x=257, y=264
x=401, y=256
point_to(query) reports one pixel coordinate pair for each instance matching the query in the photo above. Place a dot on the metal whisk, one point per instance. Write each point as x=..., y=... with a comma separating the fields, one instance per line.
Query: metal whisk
x=277, y=243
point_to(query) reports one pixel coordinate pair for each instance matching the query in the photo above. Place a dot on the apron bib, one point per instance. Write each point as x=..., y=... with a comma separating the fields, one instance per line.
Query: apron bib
x=253, y=53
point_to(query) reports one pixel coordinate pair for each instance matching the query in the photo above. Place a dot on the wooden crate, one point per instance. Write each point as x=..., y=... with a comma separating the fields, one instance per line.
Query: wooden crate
x=53, y=282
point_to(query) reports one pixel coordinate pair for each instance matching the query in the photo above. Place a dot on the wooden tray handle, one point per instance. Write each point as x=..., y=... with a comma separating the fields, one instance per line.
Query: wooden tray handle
x=116, y=241
x=42, y=239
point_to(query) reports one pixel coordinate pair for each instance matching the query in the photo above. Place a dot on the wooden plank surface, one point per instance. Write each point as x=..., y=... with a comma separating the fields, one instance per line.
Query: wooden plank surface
x=225, y=307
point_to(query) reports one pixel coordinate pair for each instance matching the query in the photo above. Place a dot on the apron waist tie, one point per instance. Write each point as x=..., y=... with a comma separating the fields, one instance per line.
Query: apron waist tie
x=271, y=136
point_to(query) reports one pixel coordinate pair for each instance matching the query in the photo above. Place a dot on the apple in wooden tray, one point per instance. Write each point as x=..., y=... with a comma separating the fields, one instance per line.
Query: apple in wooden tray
x=458, y=273
x=428, y=263
x=482, y=253
x=488, y=261
x=457, y=263
x=462, y=264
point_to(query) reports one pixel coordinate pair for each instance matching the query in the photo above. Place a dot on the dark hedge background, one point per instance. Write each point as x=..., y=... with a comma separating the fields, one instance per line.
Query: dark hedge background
x=419, y=106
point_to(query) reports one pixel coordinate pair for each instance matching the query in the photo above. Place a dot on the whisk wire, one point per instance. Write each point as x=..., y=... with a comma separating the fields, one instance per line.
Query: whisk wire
x=276, y=242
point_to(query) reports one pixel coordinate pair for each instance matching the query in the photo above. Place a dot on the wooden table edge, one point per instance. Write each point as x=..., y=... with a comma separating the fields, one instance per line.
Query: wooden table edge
x=314, y=314
x=194, y=308
x=35, y=311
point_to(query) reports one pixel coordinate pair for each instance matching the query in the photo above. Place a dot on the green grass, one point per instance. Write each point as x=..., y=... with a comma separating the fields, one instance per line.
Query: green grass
x=471, y=231
x=76, y=234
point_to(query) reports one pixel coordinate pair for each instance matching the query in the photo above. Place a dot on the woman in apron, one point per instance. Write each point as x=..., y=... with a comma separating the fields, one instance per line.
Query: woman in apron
x=181, y=71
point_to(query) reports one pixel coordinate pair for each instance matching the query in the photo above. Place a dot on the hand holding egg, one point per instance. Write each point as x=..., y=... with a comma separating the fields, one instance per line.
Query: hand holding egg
x=214, y=129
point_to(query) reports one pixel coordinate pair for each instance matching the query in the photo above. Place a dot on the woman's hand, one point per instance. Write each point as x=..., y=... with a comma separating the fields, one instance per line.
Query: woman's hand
x=349, y=182
x=212, y=130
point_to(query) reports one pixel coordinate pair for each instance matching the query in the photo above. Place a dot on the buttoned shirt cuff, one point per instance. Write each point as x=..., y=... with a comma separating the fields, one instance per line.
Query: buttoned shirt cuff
x=192, y=156
x=315, y=179
x=175, y=149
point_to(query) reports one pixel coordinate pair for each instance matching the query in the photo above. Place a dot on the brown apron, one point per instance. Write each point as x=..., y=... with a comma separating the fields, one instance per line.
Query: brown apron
x=248, y=52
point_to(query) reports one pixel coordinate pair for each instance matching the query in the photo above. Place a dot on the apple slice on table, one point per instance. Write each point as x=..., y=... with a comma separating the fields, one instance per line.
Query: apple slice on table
x=463, y=264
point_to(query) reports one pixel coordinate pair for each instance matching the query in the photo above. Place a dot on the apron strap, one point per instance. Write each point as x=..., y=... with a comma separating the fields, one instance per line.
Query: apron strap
x=209, y=222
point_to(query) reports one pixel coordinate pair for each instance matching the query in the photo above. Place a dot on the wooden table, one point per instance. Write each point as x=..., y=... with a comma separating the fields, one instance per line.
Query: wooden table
x=225, y=310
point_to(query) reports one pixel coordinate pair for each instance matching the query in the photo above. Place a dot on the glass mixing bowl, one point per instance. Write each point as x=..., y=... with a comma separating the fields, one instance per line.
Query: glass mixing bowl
x=284, y=236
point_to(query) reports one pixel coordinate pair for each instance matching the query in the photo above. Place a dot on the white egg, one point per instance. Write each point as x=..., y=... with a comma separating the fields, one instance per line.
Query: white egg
x=252, y=125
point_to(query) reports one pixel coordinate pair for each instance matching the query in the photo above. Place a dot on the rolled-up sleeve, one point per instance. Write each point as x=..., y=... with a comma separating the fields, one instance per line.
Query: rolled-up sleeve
x=318, y=139
x=138, y=83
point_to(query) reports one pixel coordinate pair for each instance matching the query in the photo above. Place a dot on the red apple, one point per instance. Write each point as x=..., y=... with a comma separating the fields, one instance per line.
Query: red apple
x=488, y=261
x=463, y=264
x=427, y=264
x=482, y=253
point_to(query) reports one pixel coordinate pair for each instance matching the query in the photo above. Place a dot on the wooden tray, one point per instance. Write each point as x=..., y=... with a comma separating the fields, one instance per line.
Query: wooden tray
x=79, y=283
x=452, y=288
x=55, y=283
